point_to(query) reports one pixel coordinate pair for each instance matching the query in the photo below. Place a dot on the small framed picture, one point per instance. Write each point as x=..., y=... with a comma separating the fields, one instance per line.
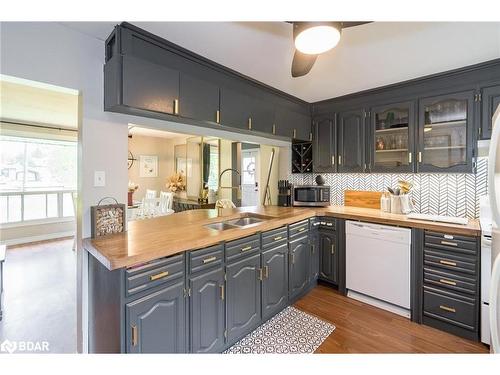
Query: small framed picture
x=148, y=166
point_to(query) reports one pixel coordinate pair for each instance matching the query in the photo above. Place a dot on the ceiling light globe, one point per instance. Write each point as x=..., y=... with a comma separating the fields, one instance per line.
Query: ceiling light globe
x=317, y=39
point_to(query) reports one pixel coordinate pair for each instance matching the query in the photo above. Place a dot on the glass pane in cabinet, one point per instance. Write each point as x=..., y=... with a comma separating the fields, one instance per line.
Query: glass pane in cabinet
x=391, y=137
x=445, y=133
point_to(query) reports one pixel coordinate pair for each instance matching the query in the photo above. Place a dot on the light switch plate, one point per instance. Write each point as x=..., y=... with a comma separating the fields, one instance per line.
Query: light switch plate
x=99, y=179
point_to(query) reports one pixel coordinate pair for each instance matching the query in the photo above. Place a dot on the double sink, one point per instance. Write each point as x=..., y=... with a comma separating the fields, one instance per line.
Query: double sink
x=246, y=220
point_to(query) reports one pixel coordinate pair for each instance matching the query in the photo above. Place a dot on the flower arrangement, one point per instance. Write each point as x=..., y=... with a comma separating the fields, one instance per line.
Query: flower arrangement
x=176, y=182
x=132, y=187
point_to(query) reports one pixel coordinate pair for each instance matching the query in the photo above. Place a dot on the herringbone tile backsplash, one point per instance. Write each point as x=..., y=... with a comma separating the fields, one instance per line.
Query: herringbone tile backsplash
x=454, y=194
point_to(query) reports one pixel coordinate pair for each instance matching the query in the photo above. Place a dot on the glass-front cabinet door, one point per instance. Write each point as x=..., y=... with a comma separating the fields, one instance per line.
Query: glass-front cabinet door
x=392, y=140
x=446, y=133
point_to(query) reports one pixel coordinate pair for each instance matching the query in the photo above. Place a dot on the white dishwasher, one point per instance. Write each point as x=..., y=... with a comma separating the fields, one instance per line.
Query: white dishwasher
x=378, y=265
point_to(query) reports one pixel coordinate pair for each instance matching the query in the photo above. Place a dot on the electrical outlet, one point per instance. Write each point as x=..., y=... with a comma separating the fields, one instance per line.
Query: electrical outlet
x=99, y=179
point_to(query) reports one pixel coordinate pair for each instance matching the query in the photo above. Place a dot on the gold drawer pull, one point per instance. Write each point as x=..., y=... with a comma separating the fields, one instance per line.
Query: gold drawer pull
x=209, y=259
x=449, y=243
x=302, y=229
x=329, y=224
x=446, y=308
x=278, y=238
x=158, y=276
x=222, y=293
x=333, y=249
x=266, y=272
x=260, y=277
x=134, y=335
x=246, y=248
x=449, y=282
x=448, y=263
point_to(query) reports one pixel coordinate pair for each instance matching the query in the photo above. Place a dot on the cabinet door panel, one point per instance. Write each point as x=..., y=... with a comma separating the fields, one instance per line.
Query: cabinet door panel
x=490, y=101
x=328, y=257
x=149, y=86
x=293, y=124
x=351, y=144
x=207, y=311
x=299, y=266
x=324, y=145
x=235, y=108
x=262, y=114
x=243, y=297
x=158, y=322
x=198, y=99
x=446, y=133
x=314, y=273
x=275, y=282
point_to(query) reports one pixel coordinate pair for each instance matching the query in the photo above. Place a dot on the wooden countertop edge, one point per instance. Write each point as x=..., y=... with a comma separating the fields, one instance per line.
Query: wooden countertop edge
x=233, y=234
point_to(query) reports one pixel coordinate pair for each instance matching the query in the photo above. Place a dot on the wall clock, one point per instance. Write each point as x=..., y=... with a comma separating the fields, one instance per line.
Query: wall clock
x=131, y=159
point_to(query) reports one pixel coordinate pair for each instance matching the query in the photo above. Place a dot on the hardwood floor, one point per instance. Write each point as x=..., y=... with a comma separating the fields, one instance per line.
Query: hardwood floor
x=361, y=328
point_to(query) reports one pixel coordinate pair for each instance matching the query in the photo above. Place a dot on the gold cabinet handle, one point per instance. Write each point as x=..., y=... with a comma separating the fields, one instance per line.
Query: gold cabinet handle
x=246, y=248
x=447, y=262
x=313, y=248
x=217, y=117
x=446, y=308
x=278, y=238
x=209, y=259
x=158, y=276
x=449, y=282
x=176, y=106
x=249, y=123
x=333, y=249
x=293, y=258
x=340, y=160
x=266, y=272
x=409, y=157
x=302, y=229
x=329, y=224
x=420, y=156
x=449, y=243
x=310, y=137
x=274, y=129
x=135, y=335
x=333, y=160
x=260, y=274
x=294, y=133
x=222, y=292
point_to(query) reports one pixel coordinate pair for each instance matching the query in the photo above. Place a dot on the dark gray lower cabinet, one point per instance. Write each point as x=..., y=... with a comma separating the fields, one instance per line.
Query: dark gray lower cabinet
x=328, y=257
x=243, y=305
x=315, y=247
x=156, y=323
x=275, y=280
x=206, y=311
x=300, y=253
x=490, y=100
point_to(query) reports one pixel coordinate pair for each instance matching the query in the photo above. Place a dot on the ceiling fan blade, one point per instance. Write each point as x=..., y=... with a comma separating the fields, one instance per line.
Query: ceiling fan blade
x=302, y=63
x=354, y=23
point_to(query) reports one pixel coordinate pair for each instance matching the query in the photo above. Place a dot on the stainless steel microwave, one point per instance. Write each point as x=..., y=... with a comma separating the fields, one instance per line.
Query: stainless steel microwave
x=311, y=195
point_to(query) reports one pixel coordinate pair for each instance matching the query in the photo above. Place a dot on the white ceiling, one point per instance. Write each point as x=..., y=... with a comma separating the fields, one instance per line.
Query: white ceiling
x=367, y=56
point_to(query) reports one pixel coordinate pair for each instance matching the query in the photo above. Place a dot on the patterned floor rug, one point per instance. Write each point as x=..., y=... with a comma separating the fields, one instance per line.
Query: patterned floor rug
x=290, y=331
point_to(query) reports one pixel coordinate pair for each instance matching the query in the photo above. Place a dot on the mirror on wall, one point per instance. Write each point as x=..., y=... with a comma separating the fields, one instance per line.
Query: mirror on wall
x=201, y=165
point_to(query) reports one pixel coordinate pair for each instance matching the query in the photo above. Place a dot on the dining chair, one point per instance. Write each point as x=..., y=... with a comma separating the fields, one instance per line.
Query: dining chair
x=149, y=207
x=150, y=194
x=166, y=203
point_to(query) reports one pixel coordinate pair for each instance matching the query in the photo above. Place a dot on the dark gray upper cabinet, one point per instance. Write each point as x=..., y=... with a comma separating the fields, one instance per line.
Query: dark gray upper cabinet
x=206, y=311
x=391, y=138
x=243, y=302
x=324, y=145
x=275, y=280
x=235, y=108
x=328, y=257
x=351, y=141
x=490, y=100
x=294, y=124
x=198, y=99
x=149, y=86
x=298, y=275
x=156, y=323
x=446, y=133
x=261, y=114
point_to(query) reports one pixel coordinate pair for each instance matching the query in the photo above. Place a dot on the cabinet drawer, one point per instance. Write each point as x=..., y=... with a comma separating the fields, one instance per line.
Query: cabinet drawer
x=326, y=222
x=451, y=243
x=298, y=229
x=153, y=274
x=450, y=281
x=449, y=262
x=242, y=247
x=206, y=258
x=450, y=308
x=274, y=237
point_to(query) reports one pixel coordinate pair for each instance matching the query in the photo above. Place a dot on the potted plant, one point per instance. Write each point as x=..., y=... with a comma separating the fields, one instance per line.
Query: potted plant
x=176, y=184
x=132, y=188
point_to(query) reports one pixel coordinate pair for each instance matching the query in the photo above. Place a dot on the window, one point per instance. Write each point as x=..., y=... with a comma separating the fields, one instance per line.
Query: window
x=37, y=178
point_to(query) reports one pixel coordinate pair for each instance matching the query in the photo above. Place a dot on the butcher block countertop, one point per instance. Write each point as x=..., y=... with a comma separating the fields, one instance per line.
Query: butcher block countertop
x=150, y=239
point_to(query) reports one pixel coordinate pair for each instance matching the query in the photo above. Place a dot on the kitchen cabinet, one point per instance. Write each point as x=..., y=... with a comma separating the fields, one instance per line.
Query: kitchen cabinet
x=302, y=157
x=275, y=280
x=324, y=145
x=328, y=257
x=314, y=240
x=235, y=108
x=198, y=99
x=298, y=274
x=149, y=86
x=391, y=138
x=206, y=311
x=156, y=323
x=445, y=133
x=243, y=304
x=490, y=100
x=294, y=124
x=351, y=141
x=261, y=114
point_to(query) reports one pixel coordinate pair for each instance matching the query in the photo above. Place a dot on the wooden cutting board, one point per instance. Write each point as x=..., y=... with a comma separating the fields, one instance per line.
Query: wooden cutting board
x=360, y=198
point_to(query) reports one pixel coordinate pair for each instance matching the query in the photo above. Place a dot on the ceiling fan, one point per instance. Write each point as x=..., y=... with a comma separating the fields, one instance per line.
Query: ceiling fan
x=312, y=39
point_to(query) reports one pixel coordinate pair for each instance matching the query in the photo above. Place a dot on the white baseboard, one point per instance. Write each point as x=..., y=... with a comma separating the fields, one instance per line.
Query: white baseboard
x=379, y=303
x=43, y=237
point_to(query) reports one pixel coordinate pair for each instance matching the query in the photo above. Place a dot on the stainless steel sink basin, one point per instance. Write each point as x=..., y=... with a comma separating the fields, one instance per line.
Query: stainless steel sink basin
x=247, y=219
x=220, y=226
